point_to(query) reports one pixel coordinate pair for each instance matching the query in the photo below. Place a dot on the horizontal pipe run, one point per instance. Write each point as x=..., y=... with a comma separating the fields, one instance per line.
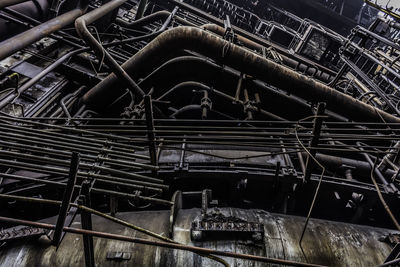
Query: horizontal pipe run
x=57, y=152
x=97, y=190
x=134, y=184
x=26, y=19
x=210, y=45
x=38, y=159
x=62, y=185
x=78, y=131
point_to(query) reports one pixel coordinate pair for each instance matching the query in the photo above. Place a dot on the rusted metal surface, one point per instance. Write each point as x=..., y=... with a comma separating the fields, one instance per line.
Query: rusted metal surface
x=325, y=243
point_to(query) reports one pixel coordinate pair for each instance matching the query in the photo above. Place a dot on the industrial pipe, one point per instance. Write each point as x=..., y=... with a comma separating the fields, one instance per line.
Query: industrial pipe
x=34, y=9
x=6, y=3
x=20, y=41
x=299, y=64
x=81, y=27
x=210, y=45
x=245, y=34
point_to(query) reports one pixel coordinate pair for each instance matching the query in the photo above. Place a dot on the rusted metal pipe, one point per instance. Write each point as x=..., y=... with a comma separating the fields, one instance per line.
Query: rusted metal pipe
x=203, y=251
x=81, y=27
x=210, y=45
x=246, y=35
x=20, y=41
x=6, y=3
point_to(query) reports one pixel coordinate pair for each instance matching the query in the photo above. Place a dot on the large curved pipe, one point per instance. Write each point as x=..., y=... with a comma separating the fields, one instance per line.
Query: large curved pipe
x=20, y=41
x=81, y=27
x=212, y=46
x=321, y=73
x=245, y=34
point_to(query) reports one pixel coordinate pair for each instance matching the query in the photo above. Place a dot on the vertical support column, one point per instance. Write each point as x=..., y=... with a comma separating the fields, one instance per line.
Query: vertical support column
x=86, y=222
x=148, y=106
x=73, y=170
x=314, y=140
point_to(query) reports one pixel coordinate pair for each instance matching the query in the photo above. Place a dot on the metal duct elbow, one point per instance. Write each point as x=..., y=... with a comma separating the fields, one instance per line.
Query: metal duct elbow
x=212, y=46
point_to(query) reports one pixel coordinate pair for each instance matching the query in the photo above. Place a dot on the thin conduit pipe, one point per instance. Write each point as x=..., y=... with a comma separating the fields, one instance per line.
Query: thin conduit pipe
x=200, y=86
x=81, y=28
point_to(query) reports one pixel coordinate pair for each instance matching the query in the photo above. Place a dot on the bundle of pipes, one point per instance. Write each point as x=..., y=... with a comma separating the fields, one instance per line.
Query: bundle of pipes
x=48, y=150
x=210, y=45
x=238, y=58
